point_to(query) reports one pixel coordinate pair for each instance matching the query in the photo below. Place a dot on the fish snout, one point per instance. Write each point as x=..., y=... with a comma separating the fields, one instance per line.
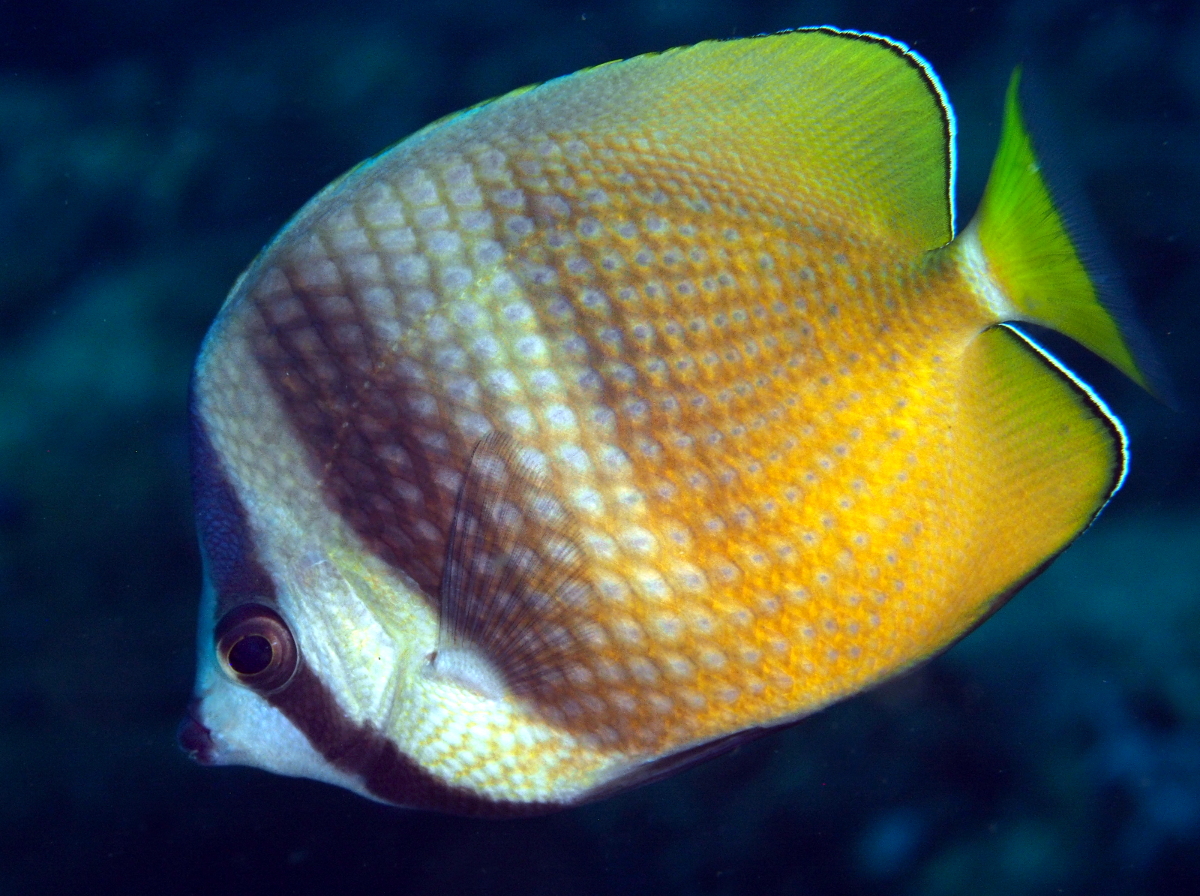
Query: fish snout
x=193, y=736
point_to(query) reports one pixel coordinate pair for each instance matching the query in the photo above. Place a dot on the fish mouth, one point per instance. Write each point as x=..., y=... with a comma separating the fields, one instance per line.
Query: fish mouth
x=193, y=736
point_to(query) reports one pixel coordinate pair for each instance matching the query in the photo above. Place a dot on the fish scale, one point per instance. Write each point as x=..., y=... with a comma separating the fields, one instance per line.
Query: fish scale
x=581, y=444
x=734, y=384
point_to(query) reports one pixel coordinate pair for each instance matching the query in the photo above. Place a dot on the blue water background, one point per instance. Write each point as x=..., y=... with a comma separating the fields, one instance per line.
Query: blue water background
x=149, y=149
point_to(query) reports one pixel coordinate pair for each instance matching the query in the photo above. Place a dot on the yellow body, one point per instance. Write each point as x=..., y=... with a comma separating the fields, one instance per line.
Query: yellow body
x=711, y=298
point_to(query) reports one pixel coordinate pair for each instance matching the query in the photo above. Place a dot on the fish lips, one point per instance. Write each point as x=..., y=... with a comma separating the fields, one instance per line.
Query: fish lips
x=194, y=737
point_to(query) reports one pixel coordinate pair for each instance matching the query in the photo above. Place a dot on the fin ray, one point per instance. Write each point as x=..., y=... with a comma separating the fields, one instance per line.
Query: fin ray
x=1048, y=457
x=1039, y=255
x=512, y=570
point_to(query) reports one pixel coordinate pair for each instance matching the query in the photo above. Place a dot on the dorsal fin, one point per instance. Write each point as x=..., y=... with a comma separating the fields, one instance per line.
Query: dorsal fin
x=512, y=575
x=854, y=125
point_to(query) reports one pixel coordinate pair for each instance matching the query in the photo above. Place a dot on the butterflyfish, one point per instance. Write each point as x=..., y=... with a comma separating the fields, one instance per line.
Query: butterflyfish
x=600, y=427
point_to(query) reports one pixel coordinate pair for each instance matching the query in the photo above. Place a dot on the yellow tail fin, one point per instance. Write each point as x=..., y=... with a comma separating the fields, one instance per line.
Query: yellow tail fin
x=1037, y=260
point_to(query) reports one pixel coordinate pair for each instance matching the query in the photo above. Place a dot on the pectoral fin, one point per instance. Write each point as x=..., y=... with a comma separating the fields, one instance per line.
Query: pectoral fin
x=512, y=580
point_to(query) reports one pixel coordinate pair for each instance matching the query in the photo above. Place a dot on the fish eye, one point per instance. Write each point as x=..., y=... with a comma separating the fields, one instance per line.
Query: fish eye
x=256, y=648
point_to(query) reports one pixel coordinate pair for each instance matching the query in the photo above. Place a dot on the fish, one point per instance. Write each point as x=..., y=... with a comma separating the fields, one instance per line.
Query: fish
x=602, y=427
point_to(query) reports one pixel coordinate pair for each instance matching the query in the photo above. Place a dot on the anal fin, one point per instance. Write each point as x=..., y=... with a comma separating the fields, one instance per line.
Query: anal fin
x=1045, y=453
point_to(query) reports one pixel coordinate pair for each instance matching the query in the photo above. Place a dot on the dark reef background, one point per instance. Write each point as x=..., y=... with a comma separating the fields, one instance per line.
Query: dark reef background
x=149, y=148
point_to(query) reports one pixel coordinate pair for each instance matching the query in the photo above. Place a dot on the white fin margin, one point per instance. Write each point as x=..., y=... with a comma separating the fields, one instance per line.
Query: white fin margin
x=936, y=83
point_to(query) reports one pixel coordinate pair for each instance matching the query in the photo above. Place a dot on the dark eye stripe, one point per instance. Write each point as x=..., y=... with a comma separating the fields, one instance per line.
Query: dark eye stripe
x=359, y=750
x=225, y=536
x=368, y=754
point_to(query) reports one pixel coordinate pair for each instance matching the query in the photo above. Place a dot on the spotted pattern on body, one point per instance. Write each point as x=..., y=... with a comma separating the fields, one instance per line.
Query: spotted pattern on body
x=671, y=352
